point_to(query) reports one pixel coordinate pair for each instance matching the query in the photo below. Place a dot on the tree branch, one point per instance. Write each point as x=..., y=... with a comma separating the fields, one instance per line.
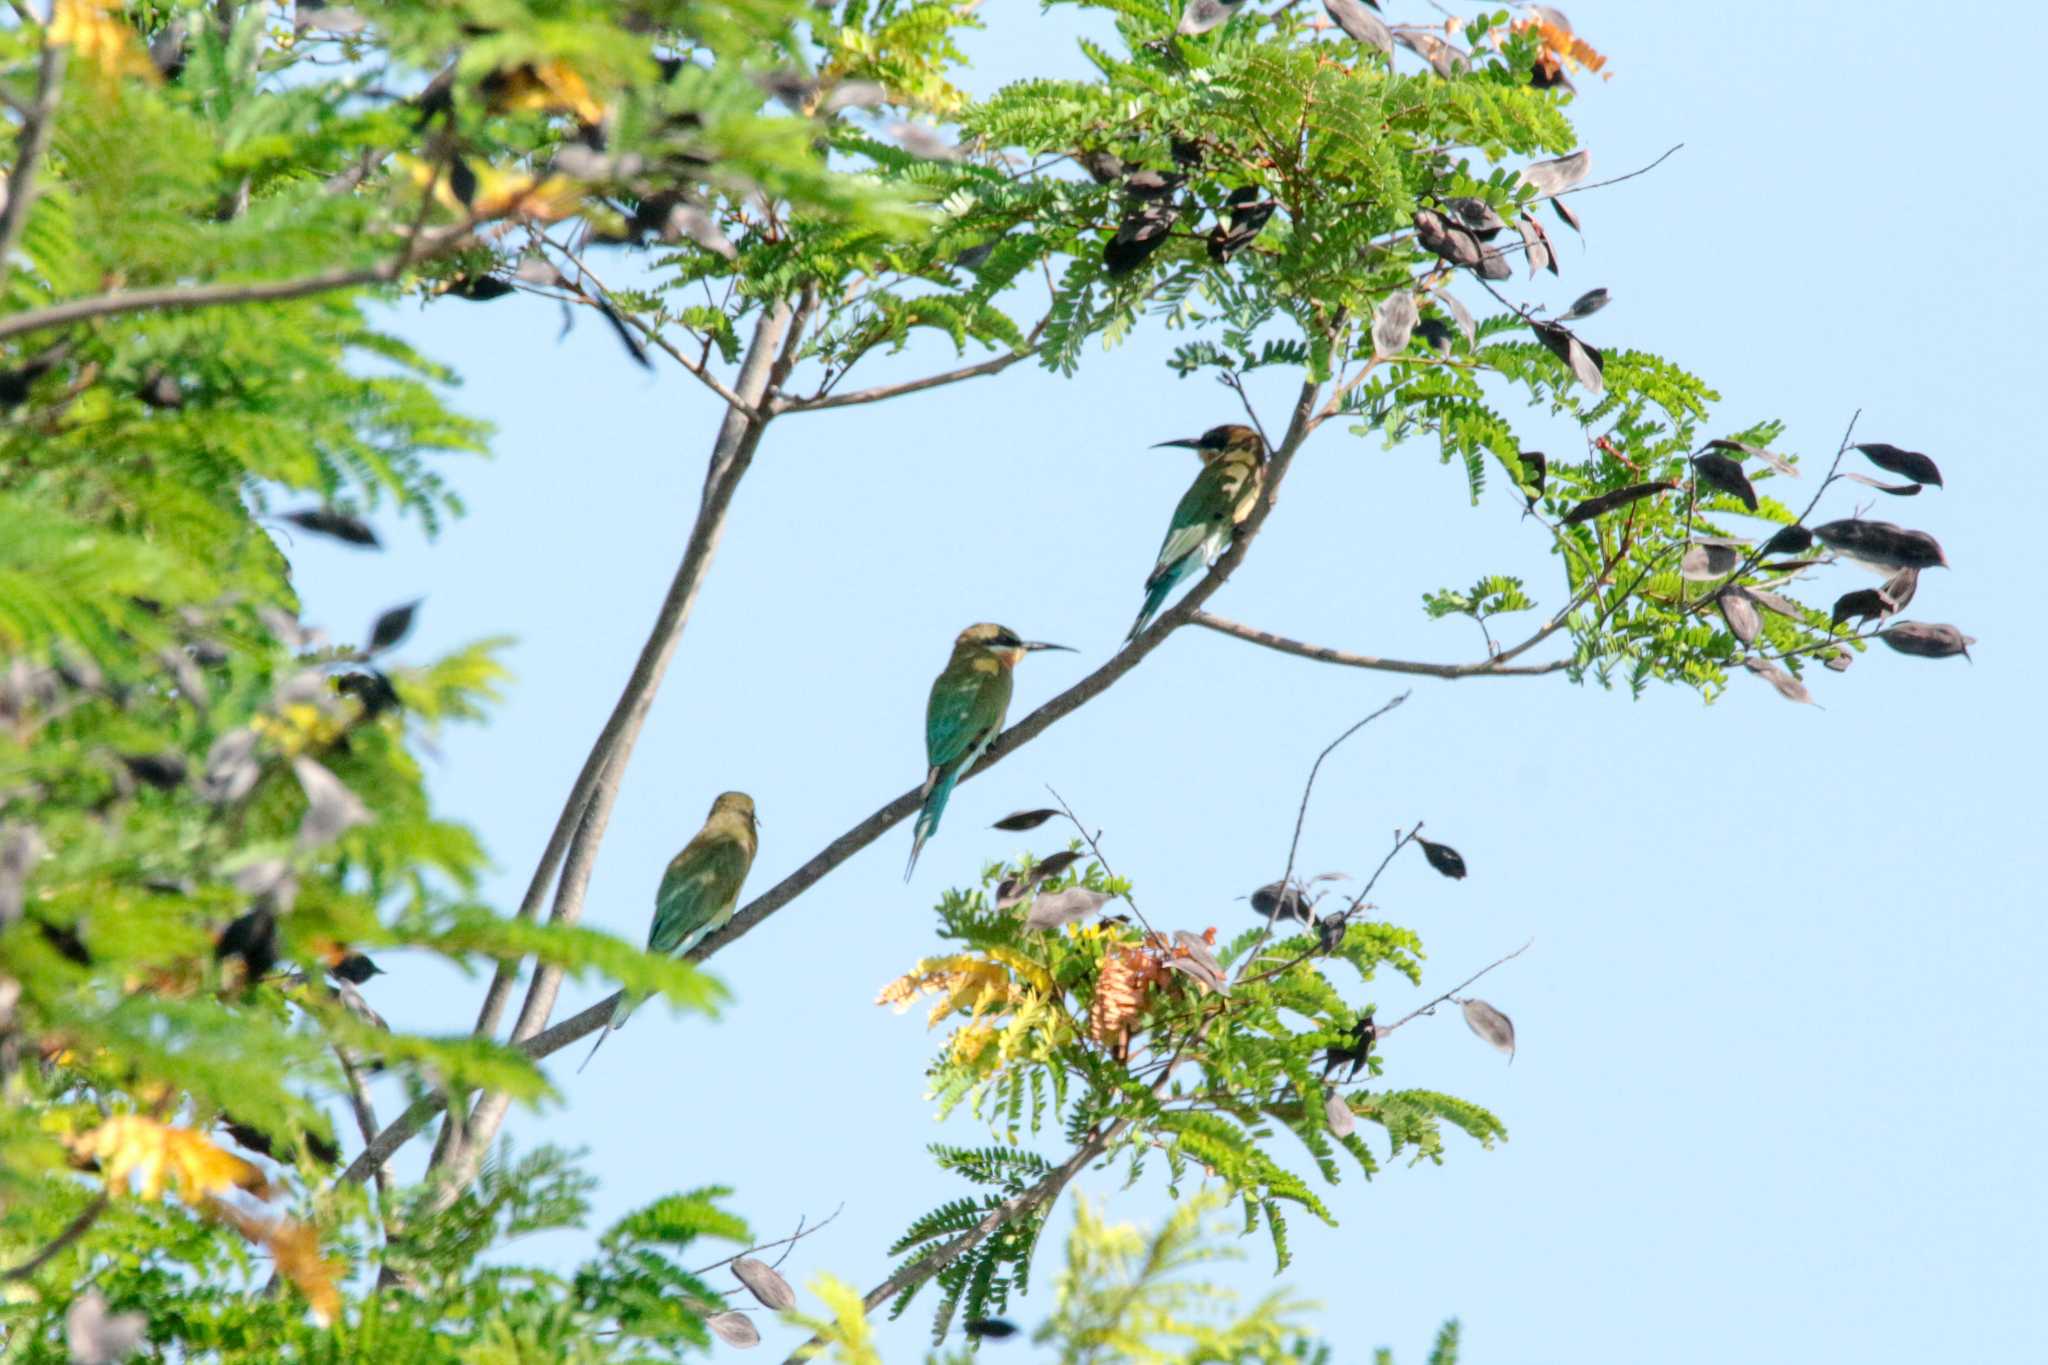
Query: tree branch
x=1484, y=668
x=34, y=141
x=365, y=1113
x=73, y=1230
x=549, y=1040
x=916, y=1272
x=931, y=381
x=183, y=297
x=769, y=359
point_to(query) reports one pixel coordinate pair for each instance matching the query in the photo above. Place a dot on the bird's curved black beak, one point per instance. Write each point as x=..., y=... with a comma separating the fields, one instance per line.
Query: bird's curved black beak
x=1184, y=445
x=1029, y=645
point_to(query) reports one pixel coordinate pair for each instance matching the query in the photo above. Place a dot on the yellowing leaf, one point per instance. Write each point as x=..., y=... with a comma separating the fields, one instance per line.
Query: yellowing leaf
x=99, y=39
x=155, y=1156
x=544, y=87
x=517, y=194
x=962, y=982
x=295, y=1247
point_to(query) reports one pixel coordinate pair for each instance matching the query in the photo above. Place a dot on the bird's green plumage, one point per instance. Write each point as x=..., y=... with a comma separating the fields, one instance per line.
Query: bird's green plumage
x=700, y=888
x=1208, y=514
x=969, y=700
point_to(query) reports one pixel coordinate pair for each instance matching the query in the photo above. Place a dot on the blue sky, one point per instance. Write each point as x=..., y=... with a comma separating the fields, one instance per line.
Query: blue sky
x=1778, y=1090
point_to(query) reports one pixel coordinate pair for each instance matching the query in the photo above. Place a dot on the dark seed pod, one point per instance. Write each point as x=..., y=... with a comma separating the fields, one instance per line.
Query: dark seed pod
x=1607, y=502
x=990, y=1329
x=1789, y=540
x=1909, y=464
x=165, y=771
x=1726, y=475
x=1927, y=640
x=1280, y=900
x=1859, y=605
x=1443, y=858
x=1330, y=932
x=328, y=522
x=1882, y=544
x=392, y=626
x=1024, y=819
x=253, y=939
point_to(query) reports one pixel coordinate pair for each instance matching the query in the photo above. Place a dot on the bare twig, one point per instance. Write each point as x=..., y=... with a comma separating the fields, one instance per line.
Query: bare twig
x=789, y=1241
x=1603, y=184
x=698, y=369
x=1382, y=1030
x=1096, y=848
x=1301, y=817
x=73, y=1230
x=184, y=298
x=1755, y=556
x=38, y=121
x=931, y=381
x=1358, y=904
x=1484, y=668
x=1230, y=379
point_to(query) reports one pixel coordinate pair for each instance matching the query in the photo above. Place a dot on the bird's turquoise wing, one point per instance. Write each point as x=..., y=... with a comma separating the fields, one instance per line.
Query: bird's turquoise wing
x=697, y=894
x=960, y=712
x=1201, y=509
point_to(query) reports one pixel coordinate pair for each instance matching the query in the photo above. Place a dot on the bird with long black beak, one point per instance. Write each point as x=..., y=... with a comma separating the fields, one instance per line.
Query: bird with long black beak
x=1209, y=513
x=969, y=700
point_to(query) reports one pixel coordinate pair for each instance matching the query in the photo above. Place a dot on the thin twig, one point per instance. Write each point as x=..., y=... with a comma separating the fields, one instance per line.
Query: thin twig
x=73, y=1230
x=1300, y=817
x=1358, y=905
x=1382, y=1030
x=1756, y=556
x=789, y=1241
x=651, y=334
x=881, y=392
x=1603, y=184
x=185, y=298
x=1230, y=379
x=1096, y=848
x=1484, y=668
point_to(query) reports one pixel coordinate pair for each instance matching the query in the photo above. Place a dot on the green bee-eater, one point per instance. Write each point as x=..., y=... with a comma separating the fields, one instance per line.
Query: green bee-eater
x=1221, y=497
x=699, y=890
x=969, y=700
